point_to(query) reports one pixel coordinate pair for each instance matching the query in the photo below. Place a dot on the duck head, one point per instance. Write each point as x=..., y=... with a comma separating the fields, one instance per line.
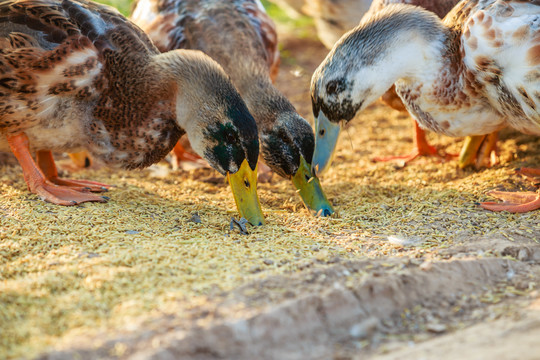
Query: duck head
x=287, y=148
x=385, y=47
x=218, y=124
x=340, y=88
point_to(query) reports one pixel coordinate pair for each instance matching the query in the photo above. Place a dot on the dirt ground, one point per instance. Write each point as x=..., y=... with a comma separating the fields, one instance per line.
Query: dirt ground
x=409, y=268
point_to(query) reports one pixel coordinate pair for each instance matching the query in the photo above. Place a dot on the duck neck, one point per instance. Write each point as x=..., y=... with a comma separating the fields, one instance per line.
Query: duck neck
x=192, y=74
x=417, y=60
x=421, y=63
x=399, y=44
x=263, y=100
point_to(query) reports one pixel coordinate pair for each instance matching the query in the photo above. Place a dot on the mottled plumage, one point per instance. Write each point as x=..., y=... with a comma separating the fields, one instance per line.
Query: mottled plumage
x=470, y=74
x=241, y=37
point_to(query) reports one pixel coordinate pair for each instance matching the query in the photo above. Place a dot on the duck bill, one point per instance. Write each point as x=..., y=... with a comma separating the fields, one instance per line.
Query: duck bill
x=244, y=187
x=310, y=190
x=326, y=136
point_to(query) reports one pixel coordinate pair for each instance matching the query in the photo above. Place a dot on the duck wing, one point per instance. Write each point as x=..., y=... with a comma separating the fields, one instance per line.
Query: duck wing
x=501, y=46
x=55, y=53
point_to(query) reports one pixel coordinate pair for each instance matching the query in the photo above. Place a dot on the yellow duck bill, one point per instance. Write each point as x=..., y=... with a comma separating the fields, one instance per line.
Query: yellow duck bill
x=244, y=187
x=310, y=190
x=326, y=137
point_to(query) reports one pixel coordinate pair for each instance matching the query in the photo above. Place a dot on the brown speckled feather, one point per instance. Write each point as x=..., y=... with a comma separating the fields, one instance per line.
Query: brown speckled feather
x=188, y=24
x=480, y=74
x=72, y=76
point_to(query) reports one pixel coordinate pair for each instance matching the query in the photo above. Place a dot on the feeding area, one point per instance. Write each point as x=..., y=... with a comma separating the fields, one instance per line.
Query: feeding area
x=164, y=269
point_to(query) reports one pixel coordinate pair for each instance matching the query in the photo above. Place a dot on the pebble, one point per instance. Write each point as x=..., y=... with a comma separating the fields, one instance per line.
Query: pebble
x=365, y=328
x=402, y=241
x=195, y=218
x=523, y=255
x=436, y=328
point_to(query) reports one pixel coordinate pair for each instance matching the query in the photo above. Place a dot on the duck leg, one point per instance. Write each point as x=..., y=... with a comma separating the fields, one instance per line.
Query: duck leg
x=516, y=202
x=421, y=148
x=38, y=183
x=183, y=151
x=182, y=154
x=479, y=151
x=45, y=161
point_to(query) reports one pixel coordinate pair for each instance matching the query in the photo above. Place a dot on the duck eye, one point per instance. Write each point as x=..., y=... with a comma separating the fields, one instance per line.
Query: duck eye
x=307, y=177
x=335, y=86
x=322, y=132
x=246, y=182
x=230, y=136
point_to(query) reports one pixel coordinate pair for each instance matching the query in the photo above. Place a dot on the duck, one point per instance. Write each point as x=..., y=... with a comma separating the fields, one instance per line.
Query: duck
x=79, y=75
x=241, y=37
x=333, y=18
x=477, y=151
x=421, y=146
x=472, y=73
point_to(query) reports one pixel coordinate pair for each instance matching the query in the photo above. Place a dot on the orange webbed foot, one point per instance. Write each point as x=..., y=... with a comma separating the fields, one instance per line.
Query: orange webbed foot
x=45, y=161
x=417, y=151
x=182, y=152
x=532, y=174
x=61, y=195
x=37, y=178
x=514, y=202
x=421, y=148
x=81, y=185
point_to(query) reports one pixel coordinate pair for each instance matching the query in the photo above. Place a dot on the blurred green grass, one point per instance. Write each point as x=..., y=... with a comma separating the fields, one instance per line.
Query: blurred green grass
x=124, y=6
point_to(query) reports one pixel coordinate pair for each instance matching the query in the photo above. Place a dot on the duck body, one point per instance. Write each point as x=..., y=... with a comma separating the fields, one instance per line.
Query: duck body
x=241, y=37
x=333, y=18
x=213, y=26
x=76, y=74
x=237, y=34
x=421, y=145
x=463, y=78
x=486, y=74
x=471, y=74
x=60, y=84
